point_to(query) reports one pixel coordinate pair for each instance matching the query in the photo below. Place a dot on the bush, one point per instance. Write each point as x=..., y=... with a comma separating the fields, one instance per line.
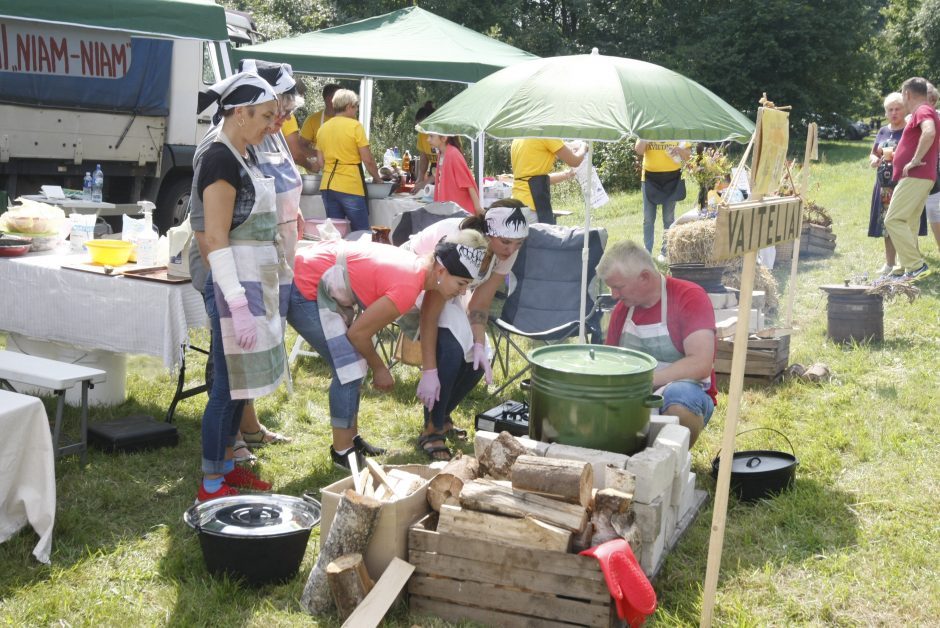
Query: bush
x=618, y=166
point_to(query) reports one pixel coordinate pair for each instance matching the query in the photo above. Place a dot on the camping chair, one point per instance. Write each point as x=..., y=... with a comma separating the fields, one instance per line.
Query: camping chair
x=408, y=223
x=545, y=304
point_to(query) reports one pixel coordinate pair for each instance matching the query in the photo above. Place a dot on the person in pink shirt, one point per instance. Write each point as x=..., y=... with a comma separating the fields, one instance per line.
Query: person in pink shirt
x=344, y=293
x=453, y=180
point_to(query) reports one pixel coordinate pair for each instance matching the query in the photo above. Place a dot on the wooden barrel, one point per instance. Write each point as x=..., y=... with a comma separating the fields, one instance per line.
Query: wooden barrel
x=856, y=317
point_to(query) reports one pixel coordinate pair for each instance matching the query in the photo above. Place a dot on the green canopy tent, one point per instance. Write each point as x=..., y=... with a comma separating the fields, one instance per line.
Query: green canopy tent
x=178, y=19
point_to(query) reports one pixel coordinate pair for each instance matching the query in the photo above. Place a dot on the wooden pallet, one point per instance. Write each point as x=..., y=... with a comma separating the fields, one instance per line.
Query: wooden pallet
x=767, y=356
x=816, y=241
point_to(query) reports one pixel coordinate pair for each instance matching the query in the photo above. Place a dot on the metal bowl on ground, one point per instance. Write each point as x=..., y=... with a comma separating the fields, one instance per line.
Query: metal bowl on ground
x=311, y=183
x=259, y=539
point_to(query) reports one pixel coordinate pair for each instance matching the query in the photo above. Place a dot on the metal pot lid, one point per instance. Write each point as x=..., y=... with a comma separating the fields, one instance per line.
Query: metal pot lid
x=592, y=360
x=253, y=515
x=759, y=462
x=845, y=289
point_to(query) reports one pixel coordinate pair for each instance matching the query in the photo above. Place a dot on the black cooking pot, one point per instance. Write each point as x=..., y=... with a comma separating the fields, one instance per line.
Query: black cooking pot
x=756, y=474
x=259, y=539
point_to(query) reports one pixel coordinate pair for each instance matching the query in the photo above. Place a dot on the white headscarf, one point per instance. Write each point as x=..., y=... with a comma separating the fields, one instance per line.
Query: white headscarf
x=238, y=90
x=279, y=75
x=506, y=222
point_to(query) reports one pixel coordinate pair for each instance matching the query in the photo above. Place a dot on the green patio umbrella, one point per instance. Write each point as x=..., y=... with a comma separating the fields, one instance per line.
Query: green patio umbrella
x=589, y=97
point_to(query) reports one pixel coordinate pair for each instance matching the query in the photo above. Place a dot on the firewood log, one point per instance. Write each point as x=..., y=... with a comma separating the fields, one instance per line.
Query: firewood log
x=349, y=583
x=569, y=480
x=497, y=460
x=612, y=515
x=352, y=529
x=488, y=496
x=445, y=487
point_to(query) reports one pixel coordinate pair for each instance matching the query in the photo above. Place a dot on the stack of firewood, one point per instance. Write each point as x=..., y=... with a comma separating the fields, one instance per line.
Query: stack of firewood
x=531, y=501
x=373, y=481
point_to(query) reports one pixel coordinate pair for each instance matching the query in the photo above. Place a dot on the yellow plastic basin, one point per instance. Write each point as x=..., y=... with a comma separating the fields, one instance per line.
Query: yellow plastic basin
x=109, y=252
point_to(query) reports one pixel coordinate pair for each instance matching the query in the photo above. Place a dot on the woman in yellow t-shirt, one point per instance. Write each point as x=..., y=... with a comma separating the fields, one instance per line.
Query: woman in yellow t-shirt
x=427, y=158
x=660, y=184
x=343, y=148
x=533, y=160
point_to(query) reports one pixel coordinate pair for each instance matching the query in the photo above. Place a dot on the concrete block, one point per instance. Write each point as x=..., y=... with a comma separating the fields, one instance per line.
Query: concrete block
x=534, y=447
x=719, y=300
x=680, y=481
x=649, y=520
x=670, y=518
x=597, y=458
x=620, y=479
x=657, y=421
x=654, y=469
x=482, y=441
x=688, y=496
x=651, y=554
x=676, y=438
x=758, y=298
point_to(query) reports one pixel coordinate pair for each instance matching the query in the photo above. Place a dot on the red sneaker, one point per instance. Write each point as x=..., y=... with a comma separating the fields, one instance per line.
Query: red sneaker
x=243, y=478
x=224, y=491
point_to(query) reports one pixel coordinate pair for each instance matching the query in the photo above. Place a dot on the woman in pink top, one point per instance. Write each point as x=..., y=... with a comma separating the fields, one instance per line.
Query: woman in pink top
x=344, y=293
x=453, y=180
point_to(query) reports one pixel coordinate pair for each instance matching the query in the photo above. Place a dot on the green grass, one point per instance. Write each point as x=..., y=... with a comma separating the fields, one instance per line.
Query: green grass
x=854, y=544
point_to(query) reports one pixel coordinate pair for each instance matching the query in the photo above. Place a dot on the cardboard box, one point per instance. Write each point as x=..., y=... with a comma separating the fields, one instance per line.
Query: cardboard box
x=391, y=531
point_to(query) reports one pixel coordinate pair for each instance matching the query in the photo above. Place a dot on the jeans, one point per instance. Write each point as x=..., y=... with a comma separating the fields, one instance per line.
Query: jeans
x=691, y=396
x=222, y=416
x=457, y=377
x=352, y=207
x=649, y=219
x=304, y=316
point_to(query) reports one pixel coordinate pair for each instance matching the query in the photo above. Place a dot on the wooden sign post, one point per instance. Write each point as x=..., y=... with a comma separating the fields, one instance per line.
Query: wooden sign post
x=742, y=229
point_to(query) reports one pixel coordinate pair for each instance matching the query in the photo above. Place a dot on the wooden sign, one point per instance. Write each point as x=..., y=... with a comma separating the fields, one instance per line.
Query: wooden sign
x=750, y=226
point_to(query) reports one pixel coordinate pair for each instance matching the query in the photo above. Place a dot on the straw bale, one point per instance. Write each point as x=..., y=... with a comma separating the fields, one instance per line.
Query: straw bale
x=691, y=242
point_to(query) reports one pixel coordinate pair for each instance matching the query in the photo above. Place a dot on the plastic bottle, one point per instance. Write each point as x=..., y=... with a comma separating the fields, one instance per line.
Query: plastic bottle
x=97, y=185
x=86, y=188
x=147, y=242
x=388, y=158
x=406, y=161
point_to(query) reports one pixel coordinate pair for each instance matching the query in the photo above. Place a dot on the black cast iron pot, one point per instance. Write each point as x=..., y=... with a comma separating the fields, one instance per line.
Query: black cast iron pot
x=760, y=473
x=258, y=539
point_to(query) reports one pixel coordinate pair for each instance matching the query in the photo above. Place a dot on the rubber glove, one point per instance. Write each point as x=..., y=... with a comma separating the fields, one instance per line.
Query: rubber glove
x=246, y=330
x=429, y=388
x=480, y=360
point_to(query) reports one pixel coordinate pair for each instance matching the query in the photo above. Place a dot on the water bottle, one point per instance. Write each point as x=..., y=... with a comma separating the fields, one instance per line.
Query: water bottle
x=97, y=185
x=86, y=188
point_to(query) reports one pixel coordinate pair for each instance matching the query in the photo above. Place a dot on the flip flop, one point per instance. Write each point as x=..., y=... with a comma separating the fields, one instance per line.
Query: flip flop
x=264, y=436
x=425, y=439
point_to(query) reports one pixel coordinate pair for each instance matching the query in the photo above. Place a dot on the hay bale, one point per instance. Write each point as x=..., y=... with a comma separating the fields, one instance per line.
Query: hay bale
x=691, y=243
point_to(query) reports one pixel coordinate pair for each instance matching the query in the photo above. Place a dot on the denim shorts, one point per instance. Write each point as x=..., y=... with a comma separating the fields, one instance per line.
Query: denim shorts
x=304, y=316
x=691, y=396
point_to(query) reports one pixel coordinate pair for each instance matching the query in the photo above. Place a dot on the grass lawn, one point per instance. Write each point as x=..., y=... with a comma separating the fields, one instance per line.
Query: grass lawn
x=856, y=542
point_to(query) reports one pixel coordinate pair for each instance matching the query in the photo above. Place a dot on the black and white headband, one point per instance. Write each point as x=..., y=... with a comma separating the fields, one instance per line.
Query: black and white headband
x=238, y=90
x=506, y=222
x=279, y=75
x=459, y=260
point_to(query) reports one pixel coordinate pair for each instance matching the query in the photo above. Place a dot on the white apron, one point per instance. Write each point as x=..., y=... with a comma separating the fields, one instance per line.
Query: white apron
x=275, y=161
x=266, y=277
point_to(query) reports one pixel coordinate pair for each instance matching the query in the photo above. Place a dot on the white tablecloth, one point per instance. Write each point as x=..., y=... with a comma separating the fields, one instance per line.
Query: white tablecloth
x=42, y=300
x=381, y=210
x=27, y=470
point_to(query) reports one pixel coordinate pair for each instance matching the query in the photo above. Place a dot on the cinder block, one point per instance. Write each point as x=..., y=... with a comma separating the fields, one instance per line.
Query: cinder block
x=620, y=479
x=720, y=300
x=670, y=517
x=482, y=441
x=657, y=421
x=654, y=469
x=649, y=520
x=676, y=438
x=688, y=496
x=597, y=458
x=534, y=447
x=758, y=298
x=680, y=481
x=651, y=554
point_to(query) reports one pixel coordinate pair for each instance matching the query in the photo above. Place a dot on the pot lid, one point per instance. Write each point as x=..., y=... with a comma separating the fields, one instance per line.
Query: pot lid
x=253, y=515
x=845, y=289
x=757, y=463
x=592, y=359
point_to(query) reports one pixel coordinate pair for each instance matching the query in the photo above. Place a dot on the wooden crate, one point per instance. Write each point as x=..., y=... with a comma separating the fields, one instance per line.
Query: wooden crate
x=816, y=241
x=473, y=579
x=767, y=355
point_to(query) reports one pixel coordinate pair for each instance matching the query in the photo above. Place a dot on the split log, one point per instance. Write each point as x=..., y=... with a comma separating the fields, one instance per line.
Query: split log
x=583, y=539
x=349, y=583
x=352, y=529
x=620, y=479
x=498, y=458
x=569, y=480
x=521, y=532
x=488, y=496
x=612, y=515
x=444, y=488
x=405, y=483
x=376, y=469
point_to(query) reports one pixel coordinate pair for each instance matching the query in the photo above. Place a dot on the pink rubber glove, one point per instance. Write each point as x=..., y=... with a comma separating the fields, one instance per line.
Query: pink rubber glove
x=429, y=388
x=480, y=360
x=246, y=330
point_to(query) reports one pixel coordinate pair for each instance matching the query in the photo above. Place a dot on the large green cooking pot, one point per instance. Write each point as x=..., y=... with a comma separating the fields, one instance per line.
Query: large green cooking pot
x=592, y=396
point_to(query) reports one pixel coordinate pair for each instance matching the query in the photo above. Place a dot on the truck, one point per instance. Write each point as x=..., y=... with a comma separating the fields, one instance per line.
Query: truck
x=114, y=84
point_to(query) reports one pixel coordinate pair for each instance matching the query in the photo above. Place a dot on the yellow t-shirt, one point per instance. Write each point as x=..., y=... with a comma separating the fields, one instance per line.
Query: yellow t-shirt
x=656, y=159
x=289, y=126
x=530, y=158
x=311, y=125
x=340, y=139
x=424, y=146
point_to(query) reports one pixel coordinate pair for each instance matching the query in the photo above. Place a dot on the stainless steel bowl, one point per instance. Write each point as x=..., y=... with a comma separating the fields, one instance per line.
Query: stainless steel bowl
x=311, y=183
x=378, y=190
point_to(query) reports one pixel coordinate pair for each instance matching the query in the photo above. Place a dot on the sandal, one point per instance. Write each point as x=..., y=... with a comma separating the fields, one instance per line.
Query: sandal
x=242, y=454
x=432, y=452
x=456, y=434
x=264, y=436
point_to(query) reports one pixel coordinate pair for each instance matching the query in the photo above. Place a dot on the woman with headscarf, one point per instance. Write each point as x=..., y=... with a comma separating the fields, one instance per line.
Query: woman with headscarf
x=453, y=331
x=453, y=180
x=343, y=149
x=247, y=273
x=335, y=278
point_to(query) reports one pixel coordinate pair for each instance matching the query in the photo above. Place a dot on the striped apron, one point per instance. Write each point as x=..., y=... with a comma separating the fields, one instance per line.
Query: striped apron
x=266, y=277
x=338, y=307
x=654, y=340
x=275, y=161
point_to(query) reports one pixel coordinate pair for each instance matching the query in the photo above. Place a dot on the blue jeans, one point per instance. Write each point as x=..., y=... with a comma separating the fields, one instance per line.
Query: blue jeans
x=649, y=219
x=691, y=396
x=304, y=316
x=222, y=416
x=352, y=207
x=457, y=377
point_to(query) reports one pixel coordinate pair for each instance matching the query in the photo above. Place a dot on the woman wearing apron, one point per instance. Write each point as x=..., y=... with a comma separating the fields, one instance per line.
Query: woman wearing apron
x=672, y=321
x=343, y=148
x=453, y=332
x=533, y=160
x=335, y=279
x=248, y=274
